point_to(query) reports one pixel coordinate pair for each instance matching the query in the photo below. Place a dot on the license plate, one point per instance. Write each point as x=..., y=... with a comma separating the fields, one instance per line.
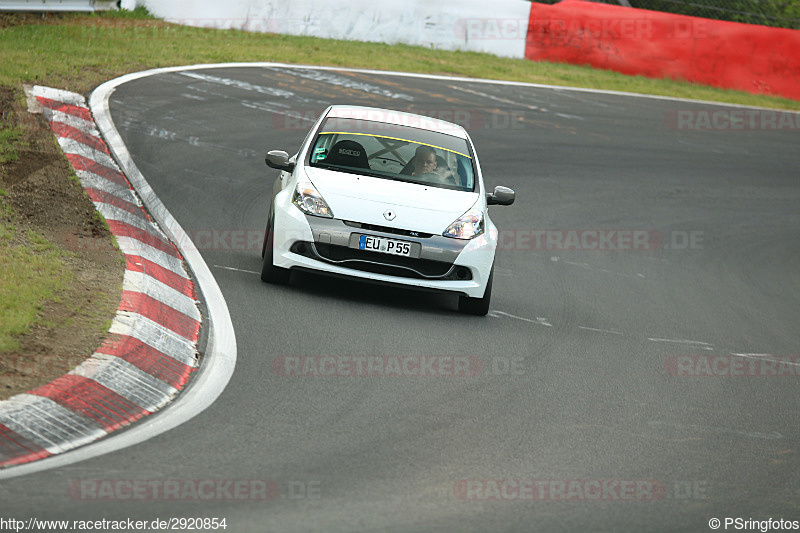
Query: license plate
x=384, y=245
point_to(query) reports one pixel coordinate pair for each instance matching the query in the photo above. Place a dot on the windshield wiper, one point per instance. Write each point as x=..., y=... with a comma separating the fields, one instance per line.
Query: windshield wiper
x=355, y=170
x=402, y=178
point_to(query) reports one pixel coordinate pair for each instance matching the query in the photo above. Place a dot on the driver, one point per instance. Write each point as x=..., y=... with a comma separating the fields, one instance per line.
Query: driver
x=424, y=161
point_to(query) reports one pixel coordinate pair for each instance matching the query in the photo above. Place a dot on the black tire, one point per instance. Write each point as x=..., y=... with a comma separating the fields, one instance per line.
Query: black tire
x=266, y=235
x=269, y=272
x=477, y=306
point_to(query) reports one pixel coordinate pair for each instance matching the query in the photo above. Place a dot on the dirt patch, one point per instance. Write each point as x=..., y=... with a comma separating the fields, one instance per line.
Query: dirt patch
x=48, y=199
x=8, y=20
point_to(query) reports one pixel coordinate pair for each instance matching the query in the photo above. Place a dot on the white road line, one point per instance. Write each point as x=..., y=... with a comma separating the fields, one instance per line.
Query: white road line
x=722, y=430
x=587, y=266
x=243, y=85
x=348, y=83
x=503, y=272
x=703, y=345
x=565, y=115
x=194, y=97
x=539, y=320
x=760, y=357
x=497, y=98
x=237, y=269
x=601, y=330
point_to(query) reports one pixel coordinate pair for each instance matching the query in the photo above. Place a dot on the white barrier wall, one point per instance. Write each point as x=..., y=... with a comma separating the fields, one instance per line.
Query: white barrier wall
x=498, y=27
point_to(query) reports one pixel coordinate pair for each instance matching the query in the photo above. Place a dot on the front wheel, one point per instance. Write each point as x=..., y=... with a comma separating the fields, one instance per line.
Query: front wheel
x=477, y=306
x=269, y=272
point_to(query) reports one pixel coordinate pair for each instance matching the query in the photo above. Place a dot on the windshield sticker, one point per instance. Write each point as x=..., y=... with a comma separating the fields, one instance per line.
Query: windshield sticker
x=393, y=139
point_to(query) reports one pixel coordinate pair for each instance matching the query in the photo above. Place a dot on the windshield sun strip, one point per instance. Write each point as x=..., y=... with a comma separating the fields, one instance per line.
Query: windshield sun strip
x=394, y=139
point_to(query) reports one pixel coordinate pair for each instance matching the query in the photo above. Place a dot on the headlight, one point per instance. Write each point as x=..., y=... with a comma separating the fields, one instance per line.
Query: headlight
x=468, y=226
x=309, y=200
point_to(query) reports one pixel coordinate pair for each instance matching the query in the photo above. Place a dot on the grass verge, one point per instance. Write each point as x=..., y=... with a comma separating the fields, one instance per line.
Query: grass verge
x=33, y=270
x=79, y=52
x=10, y=135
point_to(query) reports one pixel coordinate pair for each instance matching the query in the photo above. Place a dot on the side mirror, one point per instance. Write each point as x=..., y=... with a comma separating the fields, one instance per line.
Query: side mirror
x=278, y=159
x=501, y=196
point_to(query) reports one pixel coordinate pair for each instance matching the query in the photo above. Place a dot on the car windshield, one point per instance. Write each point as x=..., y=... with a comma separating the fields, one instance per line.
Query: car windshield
x=389, y=151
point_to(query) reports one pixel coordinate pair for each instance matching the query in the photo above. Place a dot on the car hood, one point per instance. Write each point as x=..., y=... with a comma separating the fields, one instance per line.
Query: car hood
x=365, y=199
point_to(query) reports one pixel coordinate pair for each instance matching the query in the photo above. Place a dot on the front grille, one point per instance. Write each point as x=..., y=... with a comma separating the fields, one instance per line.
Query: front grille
x=387, y=229
x=378, y=263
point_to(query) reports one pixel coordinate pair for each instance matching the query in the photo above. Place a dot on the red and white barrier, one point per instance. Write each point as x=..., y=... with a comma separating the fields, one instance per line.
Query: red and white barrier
x=729, y=55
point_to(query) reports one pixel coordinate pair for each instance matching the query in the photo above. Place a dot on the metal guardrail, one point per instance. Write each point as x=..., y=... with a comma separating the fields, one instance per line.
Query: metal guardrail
x=57, y=5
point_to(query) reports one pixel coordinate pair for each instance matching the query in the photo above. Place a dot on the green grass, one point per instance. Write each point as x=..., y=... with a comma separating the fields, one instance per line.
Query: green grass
x=31, y=268
x=80, y=52
x=9, y=138
x=32, y=271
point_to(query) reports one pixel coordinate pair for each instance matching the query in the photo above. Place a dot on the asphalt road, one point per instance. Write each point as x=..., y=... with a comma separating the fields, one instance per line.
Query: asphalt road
x=582, y=391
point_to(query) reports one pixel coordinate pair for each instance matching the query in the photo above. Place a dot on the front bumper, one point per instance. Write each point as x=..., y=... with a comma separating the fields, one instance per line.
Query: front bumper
x=324, y=245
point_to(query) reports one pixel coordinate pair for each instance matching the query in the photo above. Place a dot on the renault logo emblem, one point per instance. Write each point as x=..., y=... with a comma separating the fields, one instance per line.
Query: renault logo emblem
x=389, y=214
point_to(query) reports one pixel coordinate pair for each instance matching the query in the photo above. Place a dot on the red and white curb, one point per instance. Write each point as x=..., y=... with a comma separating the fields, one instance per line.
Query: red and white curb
x=151, y=348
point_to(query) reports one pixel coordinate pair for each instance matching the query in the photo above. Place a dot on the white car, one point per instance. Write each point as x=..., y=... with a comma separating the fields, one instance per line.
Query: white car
x=386, y=197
